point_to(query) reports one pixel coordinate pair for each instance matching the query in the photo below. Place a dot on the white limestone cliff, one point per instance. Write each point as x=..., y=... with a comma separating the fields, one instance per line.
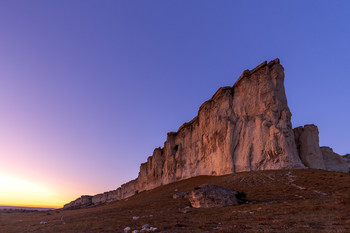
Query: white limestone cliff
x=246, y=127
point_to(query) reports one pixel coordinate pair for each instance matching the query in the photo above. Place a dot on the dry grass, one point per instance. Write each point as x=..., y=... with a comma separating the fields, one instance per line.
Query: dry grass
x=277, y=201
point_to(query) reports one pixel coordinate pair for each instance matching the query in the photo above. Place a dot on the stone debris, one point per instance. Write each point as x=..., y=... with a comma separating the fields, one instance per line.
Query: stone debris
x=186, y=210
x=135, y=218
x=62, y=220
x=43, y=222
x=298, y=187
x=145, y=228
x=320, y=192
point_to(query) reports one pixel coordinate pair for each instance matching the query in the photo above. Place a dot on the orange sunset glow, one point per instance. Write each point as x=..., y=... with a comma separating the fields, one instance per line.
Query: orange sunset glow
x=22, y=192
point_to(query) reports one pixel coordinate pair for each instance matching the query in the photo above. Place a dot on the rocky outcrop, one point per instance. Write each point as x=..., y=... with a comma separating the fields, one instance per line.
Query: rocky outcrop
x=81, y=202
x=209, y=195
x=307, y=142
x=241, y=128
x=314, y=156
x=245, y=127
x=125, y=191
x=333, y=161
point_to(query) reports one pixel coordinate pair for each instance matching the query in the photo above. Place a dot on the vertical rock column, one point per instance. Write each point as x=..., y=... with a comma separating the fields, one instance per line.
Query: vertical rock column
x=263, y=136
x=307, y=142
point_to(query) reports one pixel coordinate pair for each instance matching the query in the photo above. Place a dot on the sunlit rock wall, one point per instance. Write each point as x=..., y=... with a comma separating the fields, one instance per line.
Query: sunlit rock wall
x=245, y=127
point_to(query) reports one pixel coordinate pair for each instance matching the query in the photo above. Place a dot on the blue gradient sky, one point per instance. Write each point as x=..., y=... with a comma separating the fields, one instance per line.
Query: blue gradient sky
x=89, y=88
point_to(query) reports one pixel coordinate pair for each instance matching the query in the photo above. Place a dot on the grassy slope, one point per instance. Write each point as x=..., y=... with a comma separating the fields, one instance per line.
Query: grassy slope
x=278, y=201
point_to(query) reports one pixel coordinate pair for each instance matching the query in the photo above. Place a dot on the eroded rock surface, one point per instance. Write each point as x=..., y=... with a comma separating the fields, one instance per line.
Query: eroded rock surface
x=209, y=195
x=241, y=128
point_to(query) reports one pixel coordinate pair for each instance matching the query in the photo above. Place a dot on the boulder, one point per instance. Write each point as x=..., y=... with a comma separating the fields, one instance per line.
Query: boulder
x=209, y=195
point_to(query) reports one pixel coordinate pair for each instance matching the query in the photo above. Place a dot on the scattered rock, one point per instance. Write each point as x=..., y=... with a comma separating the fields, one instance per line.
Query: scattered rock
x=62, y=220
x=135, y=231
x=127, y=229
x=43, y=222
x=147, y=228
x=208, y=195
x=186, y=210
x=135, y=218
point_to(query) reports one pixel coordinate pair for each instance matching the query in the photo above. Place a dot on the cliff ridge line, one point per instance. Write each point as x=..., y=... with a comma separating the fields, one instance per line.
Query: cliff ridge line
x=245, y=127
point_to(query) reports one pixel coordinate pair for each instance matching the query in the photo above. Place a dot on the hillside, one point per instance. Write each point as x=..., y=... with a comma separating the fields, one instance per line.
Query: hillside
x=305, y=200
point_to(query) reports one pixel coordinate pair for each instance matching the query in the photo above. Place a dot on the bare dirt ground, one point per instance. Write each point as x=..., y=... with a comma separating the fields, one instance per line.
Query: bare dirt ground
x=306, y=200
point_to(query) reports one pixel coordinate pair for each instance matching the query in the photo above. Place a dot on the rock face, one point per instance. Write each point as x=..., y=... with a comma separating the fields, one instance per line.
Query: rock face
x=81, y=202
x=245, y=127
x=314, y=156
x=347, y=159
x=241, y=128
x=307, y=142
x=125, y=191
x=209, y=195
x=333, y=161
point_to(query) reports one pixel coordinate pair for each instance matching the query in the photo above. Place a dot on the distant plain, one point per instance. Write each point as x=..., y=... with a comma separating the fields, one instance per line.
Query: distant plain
x=305, y=200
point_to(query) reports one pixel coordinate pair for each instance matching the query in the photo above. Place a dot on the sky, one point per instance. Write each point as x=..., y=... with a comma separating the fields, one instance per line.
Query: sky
x=88, y=89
